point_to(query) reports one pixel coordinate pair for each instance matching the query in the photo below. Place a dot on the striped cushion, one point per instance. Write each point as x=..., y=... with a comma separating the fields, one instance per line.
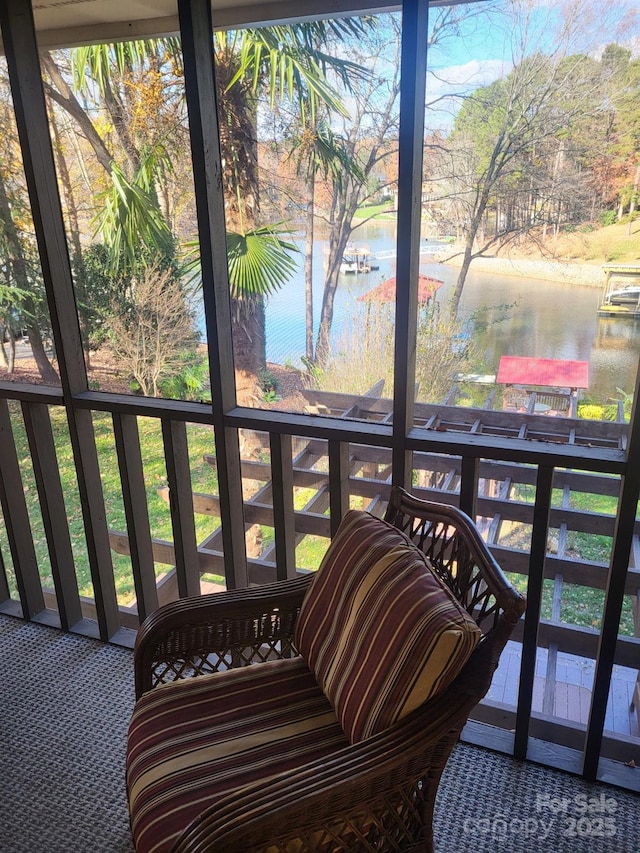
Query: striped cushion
x=193, y=741
x=378, y=628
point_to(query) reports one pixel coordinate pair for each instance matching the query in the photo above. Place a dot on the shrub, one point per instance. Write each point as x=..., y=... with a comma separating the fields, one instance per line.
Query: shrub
x=152, y=330
x=607, y=217
x=365, y=353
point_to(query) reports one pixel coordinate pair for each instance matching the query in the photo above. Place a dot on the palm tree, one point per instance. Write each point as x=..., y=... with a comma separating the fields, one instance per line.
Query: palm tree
x=318, y=151
x=281, y=62
x=277, y=62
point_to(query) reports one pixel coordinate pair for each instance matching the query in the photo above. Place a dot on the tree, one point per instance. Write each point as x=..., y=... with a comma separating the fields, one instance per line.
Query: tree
x=281, y=62
x=620, y=161
x=371, y=126
x=22, y=296
x=317, y=151
x=370, y=140
x=122, y=80
x=515, y=141
x=150, y=329
x=134, y=83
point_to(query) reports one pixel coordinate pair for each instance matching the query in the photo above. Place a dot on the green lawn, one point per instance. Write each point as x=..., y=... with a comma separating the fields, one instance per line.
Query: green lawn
x=204, y=479
x=379, y=211
x=580, y=605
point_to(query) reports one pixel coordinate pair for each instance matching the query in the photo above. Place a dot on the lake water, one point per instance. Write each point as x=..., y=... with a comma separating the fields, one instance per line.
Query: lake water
x=544, y=319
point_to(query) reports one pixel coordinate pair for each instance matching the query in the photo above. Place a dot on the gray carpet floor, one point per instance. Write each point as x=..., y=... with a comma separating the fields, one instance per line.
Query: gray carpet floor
x=65, y=703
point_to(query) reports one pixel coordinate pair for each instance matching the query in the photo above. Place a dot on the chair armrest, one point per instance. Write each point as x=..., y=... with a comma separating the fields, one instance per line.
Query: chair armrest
x=204, y=634
x=457, y=553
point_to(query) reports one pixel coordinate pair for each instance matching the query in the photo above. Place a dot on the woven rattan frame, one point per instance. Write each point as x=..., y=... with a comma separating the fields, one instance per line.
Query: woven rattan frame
x=377, y=795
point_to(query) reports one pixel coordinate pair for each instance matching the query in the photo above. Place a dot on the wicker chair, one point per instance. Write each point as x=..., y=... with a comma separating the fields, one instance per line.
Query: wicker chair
x=377, y=794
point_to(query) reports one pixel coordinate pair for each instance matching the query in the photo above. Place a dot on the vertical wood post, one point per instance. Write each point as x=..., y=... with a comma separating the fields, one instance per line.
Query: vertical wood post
x=413, y=72
x=338, y=482
x=197, y=46
x=134, y=497
x=54, y=517
x=19, y=40
x=539, y=535
x=614, y=598
x=284, y=521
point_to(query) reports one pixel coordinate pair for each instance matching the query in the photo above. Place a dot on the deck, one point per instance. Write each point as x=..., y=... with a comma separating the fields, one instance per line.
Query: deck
x=630, y=311
x=568, y=696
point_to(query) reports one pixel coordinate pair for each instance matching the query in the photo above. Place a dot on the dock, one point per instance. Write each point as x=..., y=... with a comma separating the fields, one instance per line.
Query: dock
x=619, y=278
x=630, y=311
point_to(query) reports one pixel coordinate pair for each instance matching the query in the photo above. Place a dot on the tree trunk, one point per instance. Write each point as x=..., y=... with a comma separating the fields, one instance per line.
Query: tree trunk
x=308, y=269
x=323, y=341
x=64, y=96
x=632, y=203
x=121, y=121
x=18, y=265
x=343, y=210
x=462, y=276
x=7, y=360
x=45, y=368
x=248, y=348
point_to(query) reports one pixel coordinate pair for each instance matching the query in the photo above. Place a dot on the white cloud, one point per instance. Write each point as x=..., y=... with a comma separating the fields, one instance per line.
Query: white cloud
x=447, y=86
x=470, y=75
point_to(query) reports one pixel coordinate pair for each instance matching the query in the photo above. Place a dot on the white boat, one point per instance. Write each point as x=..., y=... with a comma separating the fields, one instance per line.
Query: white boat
x=356, y=259
x=621, y=290
x=627, y=295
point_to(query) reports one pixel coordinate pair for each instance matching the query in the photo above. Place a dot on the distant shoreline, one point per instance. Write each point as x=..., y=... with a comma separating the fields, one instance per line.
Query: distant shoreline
x=567, y=272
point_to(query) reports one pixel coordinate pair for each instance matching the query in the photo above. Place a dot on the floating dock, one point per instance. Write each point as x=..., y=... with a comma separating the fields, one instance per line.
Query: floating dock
x=631, y=311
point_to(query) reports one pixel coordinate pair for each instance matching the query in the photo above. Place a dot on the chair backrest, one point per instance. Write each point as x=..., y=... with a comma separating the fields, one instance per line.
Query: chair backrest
x=457, y=552
x=378, y=628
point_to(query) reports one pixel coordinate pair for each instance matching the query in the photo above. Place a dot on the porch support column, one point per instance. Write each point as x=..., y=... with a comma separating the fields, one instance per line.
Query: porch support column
x=413, y=70
x=197, y=47
x=614, y=598
x=19, y=40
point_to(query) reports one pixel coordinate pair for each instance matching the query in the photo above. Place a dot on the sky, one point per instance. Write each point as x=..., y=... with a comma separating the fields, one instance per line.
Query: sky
x=490, y=36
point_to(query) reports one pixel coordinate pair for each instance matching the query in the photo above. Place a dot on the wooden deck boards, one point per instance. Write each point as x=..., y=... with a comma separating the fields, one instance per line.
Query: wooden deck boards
x=571, y=689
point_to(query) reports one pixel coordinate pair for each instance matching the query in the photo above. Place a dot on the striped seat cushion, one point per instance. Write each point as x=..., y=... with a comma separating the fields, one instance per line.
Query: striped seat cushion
x=193, y=741
x=378, y=628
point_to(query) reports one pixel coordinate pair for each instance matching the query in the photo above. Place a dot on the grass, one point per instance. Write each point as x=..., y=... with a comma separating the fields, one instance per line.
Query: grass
x=580, y=605
x=200, y=441
x=386, y=211
x=607, y=244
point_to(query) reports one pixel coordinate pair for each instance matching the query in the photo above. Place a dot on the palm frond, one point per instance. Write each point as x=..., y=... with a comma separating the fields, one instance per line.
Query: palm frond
x=131, y=220
x=321, y=151
x=96, y=62
x=291, y=61
x=260, y=261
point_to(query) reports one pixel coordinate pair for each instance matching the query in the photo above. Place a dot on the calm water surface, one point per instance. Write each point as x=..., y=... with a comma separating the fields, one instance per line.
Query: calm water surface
x=544, y=319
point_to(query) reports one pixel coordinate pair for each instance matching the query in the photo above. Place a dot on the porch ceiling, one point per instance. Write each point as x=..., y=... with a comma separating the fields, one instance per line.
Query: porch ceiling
x=69, y=22
x=65, y=23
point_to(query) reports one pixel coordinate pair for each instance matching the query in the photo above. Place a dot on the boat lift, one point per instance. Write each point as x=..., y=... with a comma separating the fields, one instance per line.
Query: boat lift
x=621, y=296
